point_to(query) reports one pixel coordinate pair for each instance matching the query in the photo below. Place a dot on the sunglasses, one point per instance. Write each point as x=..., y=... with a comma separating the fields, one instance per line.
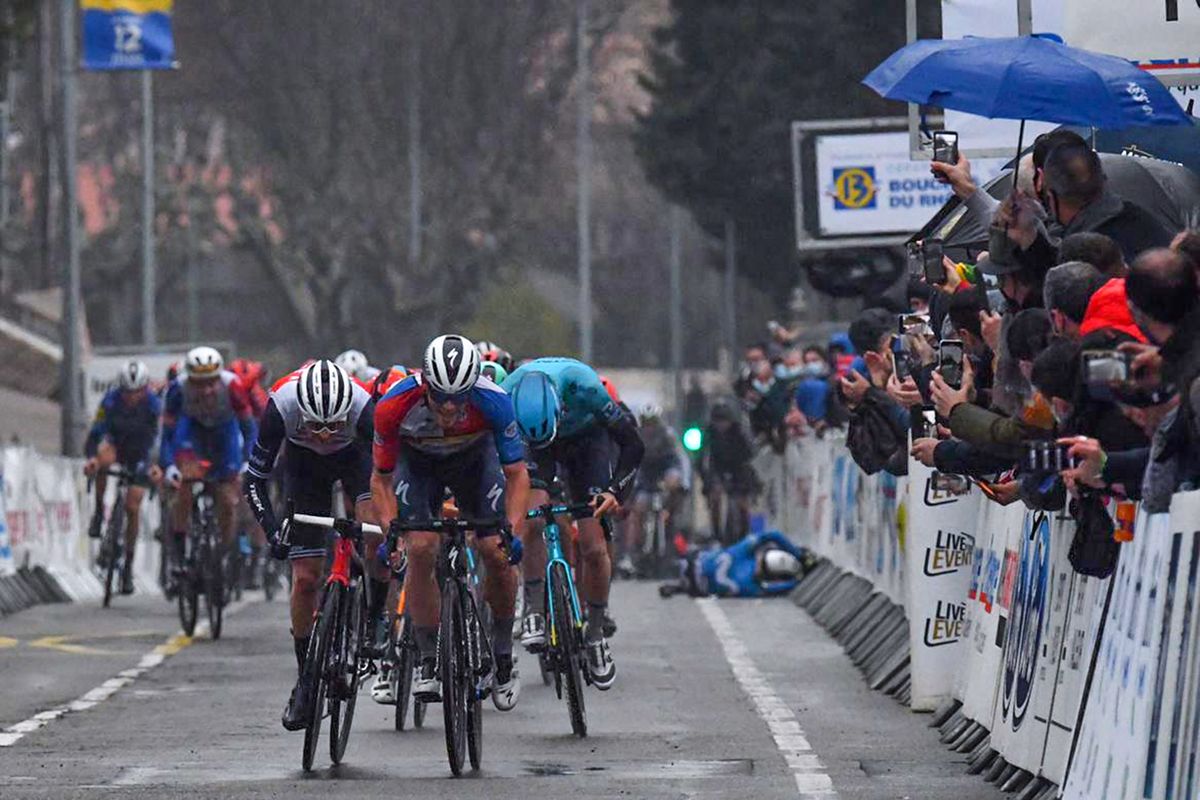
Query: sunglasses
x=443, y=399
x=327, y=428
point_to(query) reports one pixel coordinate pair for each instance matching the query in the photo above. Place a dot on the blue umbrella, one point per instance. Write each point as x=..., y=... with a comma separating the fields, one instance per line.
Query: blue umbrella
x=1026, y=78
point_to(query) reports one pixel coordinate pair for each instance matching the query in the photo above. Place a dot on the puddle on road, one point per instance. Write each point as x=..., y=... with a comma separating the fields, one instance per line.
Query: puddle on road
x=668, y=770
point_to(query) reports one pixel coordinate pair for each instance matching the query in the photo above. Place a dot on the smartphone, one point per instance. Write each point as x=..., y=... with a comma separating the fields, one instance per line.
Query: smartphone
x=916, y=262
x=932, y=261
x=903, y=365
x=945, y=147
x=1107, y=366
x=950, y=483
x=950, y=362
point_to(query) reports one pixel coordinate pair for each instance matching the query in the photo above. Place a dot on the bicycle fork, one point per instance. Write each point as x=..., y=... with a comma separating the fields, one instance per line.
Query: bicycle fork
x=555, y=556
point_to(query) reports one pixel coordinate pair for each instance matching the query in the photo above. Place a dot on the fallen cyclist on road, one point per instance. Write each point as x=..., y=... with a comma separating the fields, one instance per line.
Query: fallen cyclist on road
x=326, y=421
x=449, y=428
x=569, y=420
x=760, y=565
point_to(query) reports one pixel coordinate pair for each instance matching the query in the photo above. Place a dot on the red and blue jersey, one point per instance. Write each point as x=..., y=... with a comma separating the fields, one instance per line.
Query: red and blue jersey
x=403, y=418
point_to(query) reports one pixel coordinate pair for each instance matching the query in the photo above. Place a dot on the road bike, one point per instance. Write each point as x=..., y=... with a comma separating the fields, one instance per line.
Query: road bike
x=403, y=657
x=337, y=662
x=464, y=656
x=565, y=655
x=112, y=551
x=204, y=567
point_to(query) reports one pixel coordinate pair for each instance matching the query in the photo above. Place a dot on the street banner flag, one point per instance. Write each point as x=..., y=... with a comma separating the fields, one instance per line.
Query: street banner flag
x=127, y=34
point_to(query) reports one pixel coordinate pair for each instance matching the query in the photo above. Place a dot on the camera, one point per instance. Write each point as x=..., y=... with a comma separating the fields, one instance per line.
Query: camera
x=950, y=362
x=1046, y=457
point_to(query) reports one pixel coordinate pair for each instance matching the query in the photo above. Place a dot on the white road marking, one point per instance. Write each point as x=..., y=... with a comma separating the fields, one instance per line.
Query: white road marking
x=14, y=733
x=811, y=779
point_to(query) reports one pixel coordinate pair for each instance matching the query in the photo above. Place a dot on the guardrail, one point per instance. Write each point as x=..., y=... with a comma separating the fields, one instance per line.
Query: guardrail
x=45, y=553
x=960, y=606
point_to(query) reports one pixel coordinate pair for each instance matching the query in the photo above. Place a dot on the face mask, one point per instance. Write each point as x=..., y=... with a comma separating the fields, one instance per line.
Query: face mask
x=814, y=369
x=785, y=372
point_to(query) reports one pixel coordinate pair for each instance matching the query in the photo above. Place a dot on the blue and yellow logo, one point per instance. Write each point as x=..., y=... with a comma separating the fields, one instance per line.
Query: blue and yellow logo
x=854, y=188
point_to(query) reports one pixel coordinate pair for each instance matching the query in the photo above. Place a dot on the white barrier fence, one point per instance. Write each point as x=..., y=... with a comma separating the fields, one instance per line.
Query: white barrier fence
x=1001, y=623
x=45, y=506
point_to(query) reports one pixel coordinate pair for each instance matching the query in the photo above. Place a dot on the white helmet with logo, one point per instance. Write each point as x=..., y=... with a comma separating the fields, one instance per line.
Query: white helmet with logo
x=780, y=565
x=203, y=363
x=324, y=392
x=134, y=375
x=451, y=364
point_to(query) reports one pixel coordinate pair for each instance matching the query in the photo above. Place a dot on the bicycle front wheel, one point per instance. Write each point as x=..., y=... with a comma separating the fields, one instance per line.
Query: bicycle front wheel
x=403, y=663
x=452, y=649
x=112, y=546
x=349, y=641
x=214, y=591
x=568, y=638
x=316, y=672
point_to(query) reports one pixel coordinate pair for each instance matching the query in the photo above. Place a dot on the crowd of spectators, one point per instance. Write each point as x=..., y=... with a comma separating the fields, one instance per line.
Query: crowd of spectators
x=1060, y=367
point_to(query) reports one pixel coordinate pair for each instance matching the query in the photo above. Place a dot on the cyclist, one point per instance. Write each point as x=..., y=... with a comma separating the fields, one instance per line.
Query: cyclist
x=494, y=353
x=570, y=422
x=729, y=476
x=208, y=417
x=325, y=420
x=760, y=564
x=255, y=377
x=123, y=432
x=664, y=469
x=449, y=428
x=388, y=378
x=356, y=364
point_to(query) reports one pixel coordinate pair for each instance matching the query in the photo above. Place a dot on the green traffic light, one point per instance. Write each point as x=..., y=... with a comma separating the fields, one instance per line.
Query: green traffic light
x=693, y=439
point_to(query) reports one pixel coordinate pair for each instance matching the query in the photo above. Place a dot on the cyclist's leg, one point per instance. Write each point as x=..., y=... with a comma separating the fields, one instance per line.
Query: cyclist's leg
x=418, y=491
x=542, y=467
x=588, y=472
x=106, y=455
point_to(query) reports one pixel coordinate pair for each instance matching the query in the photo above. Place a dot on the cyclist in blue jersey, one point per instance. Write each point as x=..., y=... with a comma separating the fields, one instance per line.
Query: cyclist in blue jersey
x=208, y=417
x=570, y=422
x=759, y=565
x=123, y=432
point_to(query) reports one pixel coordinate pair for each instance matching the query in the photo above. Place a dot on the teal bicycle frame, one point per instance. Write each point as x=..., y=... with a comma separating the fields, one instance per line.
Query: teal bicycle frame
x=552, y=534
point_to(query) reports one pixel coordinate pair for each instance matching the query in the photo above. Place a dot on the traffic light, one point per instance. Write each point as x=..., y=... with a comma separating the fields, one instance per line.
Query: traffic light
x=693, y=439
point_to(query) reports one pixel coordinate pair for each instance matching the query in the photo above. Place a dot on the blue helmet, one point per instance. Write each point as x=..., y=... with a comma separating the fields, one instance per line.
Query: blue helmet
x=537, y=407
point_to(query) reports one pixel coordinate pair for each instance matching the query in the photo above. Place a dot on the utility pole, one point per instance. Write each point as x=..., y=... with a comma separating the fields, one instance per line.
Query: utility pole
x=676, y=311
x=415, y=199
x=148, y=210
x=730, y=293
x=70, y=225
x=583, y=154
x=47, y=150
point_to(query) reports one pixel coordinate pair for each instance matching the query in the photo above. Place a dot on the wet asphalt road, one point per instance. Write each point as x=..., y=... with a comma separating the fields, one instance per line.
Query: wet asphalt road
x=205, y=722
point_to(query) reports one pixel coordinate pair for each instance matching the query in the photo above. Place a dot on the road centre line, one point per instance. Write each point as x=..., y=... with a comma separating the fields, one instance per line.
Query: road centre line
x=14, y=733
x=812, y=781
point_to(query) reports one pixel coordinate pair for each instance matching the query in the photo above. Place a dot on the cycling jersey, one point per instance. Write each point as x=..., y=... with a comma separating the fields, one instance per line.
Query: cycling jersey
x=312, y=466
x=220, y=429
x=586, y=408
x=131, y=427
x=733, y=572
x=388, y=378
x=403, y=419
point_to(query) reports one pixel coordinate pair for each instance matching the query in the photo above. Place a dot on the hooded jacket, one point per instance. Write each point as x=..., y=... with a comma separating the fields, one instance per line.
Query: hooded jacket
x=1109, y=308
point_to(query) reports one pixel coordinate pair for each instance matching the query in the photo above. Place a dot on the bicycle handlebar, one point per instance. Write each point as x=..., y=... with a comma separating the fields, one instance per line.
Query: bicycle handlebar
x=578, y=511
x=341, y=526
x=442, y=524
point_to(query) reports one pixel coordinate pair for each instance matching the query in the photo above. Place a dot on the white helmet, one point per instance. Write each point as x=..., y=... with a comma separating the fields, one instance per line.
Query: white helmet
x=325, y=392
x=355, y=363
x=133, y=376
x=451, y=364
x=484, y=347
x=780, y=564
x=650, y=411
x=203, y=363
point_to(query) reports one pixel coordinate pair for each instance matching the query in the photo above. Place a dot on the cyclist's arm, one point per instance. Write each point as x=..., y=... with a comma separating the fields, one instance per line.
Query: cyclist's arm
x=385, y=450
x=98, y=430
x=262, y=460
x=624, y=432
x=516, y=496
x=239, y=398
x=172, y=410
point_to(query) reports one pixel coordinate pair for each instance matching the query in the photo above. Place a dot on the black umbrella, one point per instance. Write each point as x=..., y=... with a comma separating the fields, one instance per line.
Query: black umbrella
x=1169, y=191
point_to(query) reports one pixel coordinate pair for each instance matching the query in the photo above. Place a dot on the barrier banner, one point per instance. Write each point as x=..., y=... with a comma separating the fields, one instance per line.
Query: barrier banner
x=1032, y=641
x=940, y=546
x=1110, y=757
x=7, y=565
x=998, y=532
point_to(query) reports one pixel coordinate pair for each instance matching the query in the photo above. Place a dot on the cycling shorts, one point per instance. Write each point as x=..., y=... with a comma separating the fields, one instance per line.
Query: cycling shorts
x=473, y=476
x=584, y=461
x=309, y=478
x=133, y=459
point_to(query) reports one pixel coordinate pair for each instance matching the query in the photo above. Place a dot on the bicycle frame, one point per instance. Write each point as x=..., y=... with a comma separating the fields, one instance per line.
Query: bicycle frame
x=555, y=555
